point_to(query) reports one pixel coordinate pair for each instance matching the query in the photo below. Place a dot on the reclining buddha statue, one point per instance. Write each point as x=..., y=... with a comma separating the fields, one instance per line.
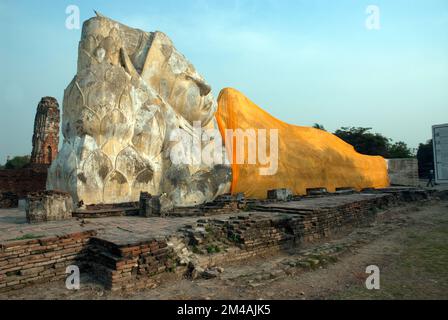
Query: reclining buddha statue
x=136, y=101
x=307, y=158
x=132, y=93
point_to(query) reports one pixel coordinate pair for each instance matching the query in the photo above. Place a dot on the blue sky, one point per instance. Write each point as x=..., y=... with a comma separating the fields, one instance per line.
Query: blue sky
x=304, y=61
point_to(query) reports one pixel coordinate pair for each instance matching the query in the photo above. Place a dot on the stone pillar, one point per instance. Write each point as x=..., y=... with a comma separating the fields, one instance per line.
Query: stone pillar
x=149, y=205
x=154, y=206
x=46, y=132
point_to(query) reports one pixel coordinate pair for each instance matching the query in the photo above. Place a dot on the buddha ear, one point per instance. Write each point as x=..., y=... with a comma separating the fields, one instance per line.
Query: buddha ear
x=127, y=64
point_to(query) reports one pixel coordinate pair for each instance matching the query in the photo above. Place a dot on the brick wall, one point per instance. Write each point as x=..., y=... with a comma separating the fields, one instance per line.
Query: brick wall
x=23, y=262
x=403, y=172
x=23, y=181
x=132, y=266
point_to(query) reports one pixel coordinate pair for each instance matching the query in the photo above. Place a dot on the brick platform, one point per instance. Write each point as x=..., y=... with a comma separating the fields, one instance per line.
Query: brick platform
x=131, y=252
x=41, y=260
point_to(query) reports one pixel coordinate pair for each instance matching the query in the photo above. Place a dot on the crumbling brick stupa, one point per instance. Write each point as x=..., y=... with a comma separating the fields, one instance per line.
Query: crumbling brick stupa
x=46, y=132
x=17, y=183
x=132, y=92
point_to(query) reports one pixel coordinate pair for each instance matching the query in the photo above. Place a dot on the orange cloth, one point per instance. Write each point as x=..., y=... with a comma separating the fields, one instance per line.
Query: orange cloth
x=307, y=157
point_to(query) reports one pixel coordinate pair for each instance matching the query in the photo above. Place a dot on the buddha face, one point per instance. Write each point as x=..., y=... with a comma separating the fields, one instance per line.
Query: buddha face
x=177, y=81
x=157, y=62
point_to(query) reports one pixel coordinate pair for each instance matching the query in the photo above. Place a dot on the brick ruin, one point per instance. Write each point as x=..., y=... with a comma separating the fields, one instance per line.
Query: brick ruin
x=194, y=246
x=17, y=183
x=39, y=260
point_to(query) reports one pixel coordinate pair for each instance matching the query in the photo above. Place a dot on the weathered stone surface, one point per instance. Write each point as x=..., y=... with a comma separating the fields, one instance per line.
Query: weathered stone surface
x=132, y=93
x=46, y=132
x=48, y=206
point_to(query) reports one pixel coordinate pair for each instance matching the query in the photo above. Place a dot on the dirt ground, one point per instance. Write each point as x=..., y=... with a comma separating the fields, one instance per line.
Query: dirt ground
x=409, y=244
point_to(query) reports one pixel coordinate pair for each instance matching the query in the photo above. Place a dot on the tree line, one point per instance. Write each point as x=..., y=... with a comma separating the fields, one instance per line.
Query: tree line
x=17, y=162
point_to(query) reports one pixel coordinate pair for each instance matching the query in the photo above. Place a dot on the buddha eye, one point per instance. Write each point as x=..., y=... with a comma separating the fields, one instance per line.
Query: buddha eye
x=204, y=88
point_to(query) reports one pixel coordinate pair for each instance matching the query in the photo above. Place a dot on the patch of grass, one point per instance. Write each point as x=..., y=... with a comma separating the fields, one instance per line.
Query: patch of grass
x=420, y=271
x=213, y=249
x=235, y=238
x=172, y=267
x=428, y=252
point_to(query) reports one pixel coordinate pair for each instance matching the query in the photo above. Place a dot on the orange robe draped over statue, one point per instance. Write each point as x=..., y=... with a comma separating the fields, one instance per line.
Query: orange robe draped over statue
x=307, y=157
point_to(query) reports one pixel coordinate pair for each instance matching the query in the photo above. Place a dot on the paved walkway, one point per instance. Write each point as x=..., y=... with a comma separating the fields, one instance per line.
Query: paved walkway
x=13, y=226
x=119, y=230
x=125, y=230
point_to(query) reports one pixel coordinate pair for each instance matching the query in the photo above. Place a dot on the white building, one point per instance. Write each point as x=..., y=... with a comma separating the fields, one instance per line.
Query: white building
x=440, y=141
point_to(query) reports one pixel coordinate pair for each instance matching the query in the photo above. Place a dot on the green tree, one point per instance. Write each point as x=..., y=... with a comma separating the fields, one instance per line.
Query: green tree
x=425, y=157
x=319, y=126
x=364, y=141
x=399, y=150
x=17, y=162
